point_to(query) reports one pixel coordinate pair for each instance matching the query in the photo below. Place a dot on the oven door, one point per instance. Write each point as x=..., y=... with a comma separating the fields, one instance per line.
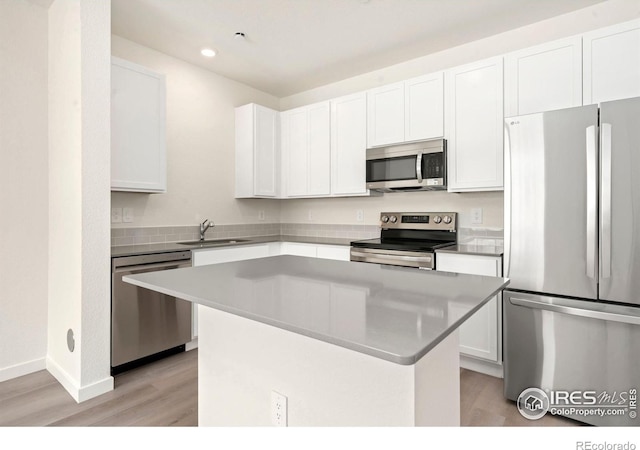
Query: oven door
x=421, y=260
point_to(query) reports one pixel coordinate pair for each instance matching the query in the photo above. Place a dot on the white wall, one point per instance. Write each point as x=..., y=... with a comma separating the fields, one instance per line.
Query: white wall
x=79, y=232
x=343, y=210
x=200, y=146
x=23, y=188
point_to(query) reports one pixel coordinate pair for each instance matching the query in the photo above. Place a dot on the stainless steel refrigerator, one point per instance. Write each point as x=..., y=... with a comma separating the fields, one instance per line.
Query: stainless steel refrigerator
x=572, y=253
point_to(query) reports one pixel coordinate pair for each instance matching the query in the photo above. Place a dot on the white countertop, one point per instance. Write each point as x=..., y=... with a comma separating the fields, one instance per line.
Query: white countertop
x=392, y=313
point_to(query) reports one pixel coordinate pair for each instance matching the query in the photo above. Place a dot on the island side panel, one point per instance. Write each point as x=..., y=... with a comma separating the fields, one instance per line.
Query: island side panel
x=437, y=384
x=241, y=362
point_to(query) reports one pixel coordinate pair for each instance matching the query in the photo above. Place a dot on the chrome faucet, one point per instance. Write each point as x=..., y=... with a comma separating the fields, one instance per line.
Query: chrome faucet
x=204, y=226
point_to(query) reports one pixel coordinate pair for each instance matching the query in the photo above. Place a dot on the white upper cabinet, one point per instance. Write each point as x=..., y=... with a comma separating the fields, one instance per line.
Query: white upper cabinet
x=543, y=78
x=257, y=151
x=138, y=128
x=474, y=126
x=385, y=115
x=612, y=63
x=424, y=107
x=306, y=151
x=408, y=111
x=349, y=145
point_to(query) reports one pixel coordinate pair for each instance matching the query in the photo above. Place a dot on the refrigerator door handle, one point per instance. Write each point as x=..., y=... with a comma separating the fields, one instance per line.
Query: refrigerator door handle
x=605, y=200
x=613, y=313
x=592, y=207
x=507, y=201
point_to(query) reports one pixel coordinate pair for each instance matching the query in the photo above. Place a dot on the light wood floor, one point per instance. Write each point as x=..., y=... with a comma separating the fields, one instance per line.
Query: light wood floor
x=165, y=393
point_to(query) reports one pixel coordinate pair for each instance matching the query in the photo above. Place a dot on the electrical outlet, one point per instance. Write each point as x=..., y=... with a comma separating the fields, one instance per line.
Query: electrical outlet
x=359, y=215
x=476, y=216
x=261, y=215
x=310, y=216
x=278, y=409
x=127, y=215
x=116, y=215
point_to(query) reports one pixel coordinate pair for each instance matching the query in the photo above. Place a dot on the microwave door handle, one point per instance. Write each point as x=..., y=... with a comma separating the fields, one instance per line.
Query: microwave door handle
x=419, y=167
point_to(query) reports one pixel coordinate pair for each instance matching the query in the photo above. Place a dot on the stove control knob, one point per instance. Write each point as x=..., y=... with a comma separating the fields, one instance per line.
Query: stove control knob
x=384, y=219
x=437, y=219
x=447, y=219
x=393, y=219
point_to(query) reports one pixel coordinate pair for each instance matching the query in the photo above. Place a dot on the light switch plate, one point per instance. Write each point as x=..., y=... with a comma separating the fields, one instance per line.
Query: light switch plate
x=116, y=215
x=127, y=215
x=476, y=216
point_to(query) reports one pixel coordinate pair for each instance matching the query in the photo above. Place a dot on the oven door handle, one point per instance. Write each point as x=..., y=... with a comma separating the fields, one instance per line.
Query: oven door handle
x=419, y=167
x=392, y=257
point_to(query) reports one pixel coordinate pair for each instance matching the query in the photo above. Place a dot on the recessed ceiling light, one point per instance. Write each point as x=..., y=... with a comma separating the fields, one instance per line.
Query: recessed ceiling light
x=208, y=52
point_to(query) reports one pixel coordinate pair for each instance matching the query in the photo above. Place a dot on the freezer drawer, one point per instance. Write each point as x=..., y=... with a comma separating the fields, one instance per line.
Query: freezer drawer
x=558, y=344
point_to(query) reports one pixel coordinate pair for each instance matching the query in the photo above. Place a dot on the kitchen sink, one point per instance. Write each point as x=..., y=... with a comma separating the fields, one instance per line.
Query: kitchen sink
x=212, y=242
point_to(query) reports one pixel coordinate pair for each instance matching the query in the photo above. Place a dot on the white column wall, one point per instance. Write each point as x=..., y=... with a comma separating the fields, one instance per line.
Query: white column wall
x=79, y=195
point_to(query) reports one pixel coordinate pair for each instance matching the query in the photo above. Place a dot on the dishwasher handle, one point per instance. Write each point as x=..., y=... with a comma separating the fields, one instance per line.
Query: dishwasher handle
x=600, y=311
x=149, y=267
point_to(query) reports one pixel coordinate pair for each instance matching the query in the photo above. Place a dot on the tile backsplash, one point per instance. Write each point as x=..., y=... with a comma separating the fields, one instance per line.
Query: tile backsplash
x=481, y=236
x=155, y=235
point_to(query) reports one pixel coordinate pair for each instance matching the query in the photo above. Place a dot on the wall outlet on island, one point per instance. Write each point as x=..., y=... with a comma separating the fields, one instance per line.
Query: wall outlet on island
x=359, y=215
x=278, y=409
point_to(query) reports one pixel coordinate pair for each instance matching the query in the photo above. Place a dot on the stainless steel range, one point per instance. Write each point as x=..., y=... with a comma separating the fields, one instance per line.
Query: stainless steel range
x=408, y=239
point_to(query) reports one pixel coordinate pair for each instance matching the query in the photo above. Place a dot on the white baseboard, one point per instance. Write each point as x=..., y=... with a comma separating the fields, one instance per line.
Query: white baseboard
x=486, y=367
x=79, y=393
x=191, y=344
x=25, y=368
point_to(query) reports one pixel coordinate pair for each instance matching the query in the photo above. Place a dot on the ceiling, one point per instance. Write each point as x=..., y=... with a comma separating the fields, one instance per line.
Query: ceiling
x=294, y=45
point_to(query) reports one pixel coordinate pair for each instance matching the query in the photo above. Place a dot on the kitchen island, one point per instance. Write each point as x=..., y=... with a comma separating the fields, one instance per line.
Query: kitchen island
x=347, y=343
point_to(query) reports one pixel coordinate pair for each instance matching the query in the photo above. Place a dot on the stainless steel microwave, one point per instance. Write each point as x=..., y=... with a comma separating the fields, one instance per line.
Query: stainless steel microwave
x=408, y=167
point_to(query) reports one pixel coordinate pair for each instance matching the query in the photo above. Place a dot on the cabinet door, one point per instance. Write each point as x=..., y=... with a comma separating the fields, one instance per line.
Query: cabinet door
x=479, y=335
x=337, y=252
x=385, y=115
x=424, y=107
x=266, y=151
x=138, y=145
x=298, y=249
x=229, y=254
x=306, y=151
x=612, y=63
x=223, y=255
x=348, y=144
x=319, y=150
x=295, y=151
x=544, y=77
x=474, y=126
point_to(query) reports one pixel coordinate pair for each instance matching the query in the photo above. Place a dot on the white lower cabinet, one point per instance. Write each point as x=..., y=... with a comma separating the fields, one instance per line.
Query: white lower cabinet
x=245, y=252
x=228, y=254
x=336, y=252
x=480, y=336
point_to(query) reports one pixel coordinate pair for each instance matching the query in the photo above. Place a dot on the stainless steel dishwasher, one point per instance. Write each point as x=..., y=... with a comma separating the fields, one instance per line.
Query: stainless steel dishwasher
x=146, y=325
